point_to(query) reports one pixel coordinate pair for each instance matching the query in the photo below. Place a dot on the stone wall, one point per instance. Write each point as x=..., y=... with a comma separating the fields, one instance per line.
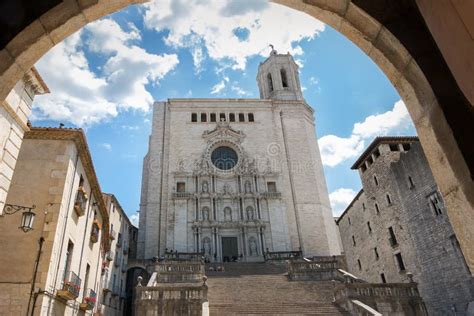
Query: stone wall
x=14, y=113
x=47, y=175
x=425, y=239
x=177, y=144
x=441, y=271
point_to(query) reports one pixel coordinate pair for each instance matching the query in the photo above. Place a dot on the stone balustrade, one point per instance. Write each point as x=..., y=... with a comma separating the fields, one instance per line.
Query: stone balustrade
x=282, y=255
x=387, y=299
x=317, y=268
x=271, y=195
x=182, y=195
x=170, y=299
x=179, y=271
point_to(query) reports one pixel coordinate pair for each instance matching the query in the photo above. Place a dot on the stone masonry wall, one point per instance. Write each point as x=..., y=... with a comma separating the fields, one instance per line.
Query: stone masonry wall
x=441, y=271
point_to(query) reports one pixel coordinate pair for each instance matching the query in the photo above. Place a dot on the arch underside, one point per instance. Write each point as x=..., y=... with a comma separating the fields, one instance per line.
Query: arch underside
x=392, y=33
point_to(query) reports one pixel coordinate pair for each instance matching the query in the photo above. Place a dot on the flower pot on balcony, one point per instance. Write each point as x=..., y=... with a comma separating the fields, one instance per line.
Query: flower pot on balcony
x=71, y=287
x=81, y=200
x=95, y=231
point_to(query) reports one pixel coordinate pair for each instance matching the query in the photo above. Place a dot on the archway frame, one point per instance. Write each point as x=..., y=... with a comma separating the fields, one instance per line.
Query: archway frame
x=439, y=144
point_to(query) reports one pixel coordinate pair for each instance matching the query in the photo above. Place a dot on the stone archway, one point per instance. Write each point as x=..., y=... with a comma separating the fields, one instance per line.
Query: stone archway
x=442, y=115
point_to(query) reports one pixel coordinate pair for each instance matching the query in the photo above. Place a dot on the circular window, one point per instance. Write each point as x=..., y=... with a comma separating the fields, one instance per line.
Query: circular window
x=224, y=158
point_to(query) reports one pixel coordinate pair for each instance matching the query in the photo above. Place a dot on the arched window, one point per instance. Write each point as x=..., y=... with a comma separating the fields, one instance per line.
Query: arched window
x=284, y=79
x=270, y=82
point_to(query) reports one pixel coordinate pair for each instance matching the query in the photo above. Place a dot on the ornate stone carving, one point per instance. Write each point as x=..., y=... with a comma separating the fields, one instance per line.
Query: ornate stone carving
x=253, y=246
x=206, y=245
x=223, y=131
x=205, y=187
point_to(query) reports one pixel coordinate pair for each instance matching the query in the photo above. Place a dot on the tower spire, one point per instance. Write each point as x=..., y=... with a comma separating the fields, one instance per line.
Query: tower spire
x=278, y=77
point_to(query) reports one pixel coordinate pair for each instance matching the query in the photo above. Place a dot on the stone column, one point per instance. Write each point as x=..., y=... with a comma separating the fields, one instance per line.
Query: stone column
x=262, y=240
x=244, y=241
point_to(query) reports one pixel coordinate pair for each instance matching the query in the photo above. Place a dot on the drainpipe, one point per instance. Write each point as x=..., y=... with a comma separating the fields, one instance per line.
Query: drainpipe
x=41, y=240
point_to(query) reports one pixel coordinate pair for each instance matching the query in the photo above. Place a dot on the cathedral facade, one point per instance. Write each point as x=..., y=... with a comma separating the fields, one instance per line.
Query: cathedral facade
x=235, y=178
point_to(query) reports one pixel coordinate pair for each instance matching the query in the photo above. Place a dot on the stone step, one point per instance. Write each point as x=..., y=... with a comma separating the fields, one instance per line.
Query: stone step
x=264, y=289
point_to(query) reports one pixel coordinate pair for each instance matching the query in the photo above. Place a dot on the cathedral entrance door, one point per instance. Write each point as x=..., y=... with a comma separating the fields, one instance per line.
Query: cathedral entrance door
x=230, y=249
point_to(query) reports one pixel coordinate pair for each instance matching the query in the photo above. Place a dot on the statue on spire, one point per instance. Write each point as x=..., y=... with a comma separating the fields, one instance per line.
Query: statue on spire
x=273, y=52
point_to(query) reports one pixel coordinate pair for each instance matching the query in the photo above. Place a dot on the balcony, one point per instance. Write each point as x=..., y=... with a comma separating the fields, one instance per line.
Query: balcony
x=71, y=286
x=89, y=300
x=182, y=195
x=81, y=201
x=112, y=234
x=271, y=195
x=109, y=255
x=116, y=290
x=95, y=231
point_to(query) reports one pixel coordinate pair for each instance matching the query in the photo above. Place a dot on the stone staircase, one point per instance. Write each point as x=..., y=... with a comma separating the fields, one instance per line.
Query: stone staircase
x=264, y=289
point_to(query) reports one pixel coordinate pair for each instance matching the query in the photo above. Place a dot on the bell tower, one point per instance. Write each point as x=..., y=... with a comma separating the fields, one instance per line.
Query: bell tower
x=278, y=78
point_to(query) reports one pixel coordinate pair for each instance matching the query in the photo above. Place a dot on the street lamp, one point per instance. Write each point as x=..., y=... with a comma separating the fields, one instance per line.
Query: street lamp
x=28, y=216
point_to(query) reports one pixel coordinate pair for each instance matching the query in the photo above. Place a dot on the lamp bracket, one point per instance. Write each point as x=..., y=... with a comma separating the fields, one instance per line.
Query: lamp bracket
x=10, y=209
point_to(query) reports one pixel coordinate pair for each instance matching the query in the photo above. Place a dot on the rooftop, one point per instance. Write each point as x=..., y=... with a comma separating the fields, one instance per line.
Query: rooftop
x=382, y=140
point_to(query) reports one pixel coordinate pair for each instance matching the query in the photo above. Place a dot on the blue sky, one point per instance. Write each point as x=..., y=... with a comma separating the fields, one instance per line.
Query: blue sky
x=105, y=77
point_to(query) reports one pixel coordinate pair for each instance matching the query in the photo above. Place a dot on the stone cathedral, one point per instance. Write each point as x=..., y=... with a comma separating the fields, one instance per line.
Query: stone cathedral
x=235, y=178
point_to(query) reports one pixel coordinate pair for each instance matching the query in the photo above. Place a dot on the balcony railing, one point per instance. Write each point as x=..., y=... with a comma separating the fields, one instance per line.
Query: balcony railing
x=116, y=290
x=271, y=195
x=106, y=286
x=71, y=286
x=109, y=255
x=81, y=201
x=182, y=195
x=125, y=248
x=119, y=241
x=112, y=234
x=95, y=231
x=89, y=300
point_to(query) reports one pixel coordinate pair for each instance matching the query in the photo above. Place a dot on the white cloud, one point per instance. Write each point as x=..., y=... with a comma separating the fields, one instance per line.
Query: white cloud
x=212, y=24
x=381, y=124
x=84, y=96
x=241, y=92
x=335, y=149
x=106, y=146
x=134, y=219
x=218, y=87
x=198, y=58
x=131, y=127
x=340, y=199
